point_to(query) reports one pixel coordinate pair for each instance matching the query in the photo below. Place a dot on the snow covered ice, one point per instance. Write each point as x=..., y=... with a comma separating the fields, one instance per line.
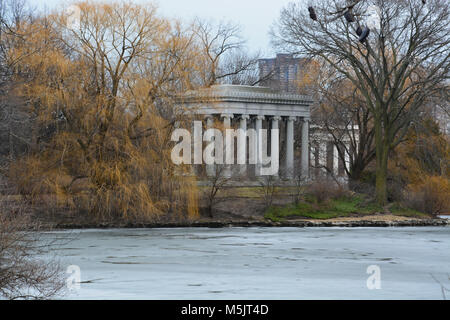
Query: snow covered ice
x=258, y=263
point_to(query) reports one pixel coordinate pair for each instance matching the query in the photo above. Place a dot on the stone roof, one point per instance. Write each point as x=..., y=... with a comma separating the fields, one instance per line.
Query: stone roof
x=240, y=93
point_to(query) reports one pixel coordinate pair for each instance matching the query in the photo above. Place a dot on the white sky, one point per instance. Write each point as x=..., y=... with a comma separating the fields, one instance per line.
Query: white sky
x=254, y=16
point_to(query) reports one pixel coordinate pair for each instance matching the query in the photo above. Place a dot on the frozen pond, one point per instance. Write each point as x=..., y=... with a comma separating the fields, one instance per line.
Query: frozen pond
x=259, y=263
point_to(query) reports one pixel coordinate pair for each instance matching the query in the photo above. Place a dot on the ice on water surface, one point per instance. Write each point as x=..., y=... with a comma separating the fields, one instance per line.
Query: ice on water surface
x=258, y=263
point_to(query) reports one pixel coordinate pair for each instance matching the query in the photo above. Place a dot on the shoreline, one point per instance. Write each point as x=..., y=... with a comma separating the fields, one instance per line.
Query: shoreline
x=259, y=223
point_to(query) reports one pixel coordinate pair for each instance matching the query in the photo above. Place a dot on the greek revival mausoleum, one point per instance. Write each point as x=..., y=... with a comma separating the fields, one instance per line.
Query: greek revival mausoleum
x=257, y=108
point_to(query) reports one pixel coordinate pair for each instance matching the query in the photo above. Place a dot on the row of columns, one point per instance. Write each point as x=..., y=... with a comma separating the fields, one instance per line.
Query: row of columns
x=321, y=152
x=258, y=146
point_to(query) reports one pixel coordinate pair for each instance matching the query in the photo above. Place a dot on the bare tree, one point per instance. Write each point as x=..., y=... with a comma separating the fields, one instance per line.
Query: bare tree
x=242, y=69
x=344, y=115
x=24, y=272
x=268, y=190
x=225, y=58
x=216, y=182
x=300, y=187
x=444, y=288
x=397, y=64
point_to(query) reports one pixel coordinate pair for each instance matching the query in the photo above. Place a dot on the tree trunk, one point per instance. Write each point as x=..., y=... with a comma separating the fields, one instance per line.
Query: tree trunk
x=381, y=179
x=356, y=171
x=382, y=153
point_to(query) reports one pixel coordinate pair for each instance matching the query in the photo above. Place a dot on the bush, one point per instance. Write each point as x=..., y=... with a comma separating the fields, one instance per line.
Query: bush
x=363, y=187
x=325, y=190
x=431, y=196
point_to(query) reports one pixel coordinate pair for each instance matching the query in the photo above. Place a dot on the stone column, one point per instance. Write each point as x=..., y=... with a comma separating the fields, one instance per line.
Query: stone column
x=305, y=148
x=335, y=161
x=347, y=156
x=290, y=147
x=178, y=169
x=226, y=125
x=259, y=144
x=275, y=144
x=242, y=144
x=323, y=143
x=210, y=168
x=197, y=143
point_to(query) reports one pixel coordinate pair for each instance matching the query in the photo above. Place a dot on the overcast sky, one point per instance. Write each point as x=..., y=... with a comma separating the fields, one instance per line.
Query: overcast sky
x=254, y=16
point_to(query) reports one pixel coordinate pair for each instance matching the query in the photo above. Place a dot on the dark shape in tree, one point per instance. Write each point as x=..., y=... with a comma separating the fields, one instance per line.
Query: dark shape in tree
x=349, y=16
x=358, y=31
x=312, y=13
x=364, y=34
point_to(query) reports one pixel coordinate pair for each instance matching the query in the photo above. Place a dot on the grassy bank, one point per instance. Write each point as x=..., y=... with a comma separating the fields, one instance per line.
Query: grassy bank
x=355, y=205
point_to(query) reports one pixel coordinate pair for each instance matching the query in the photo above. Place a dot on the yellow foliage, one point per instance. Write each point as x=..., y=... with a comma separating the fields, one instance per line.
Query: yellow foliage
x=423, y=154
x=104, y=101
x=431, y=196
x=420, y=163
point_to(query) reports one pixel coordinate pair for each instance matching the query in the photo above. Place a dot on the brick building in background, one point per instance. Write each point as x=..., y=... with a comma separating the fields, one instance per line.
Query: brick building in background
x=284, y=73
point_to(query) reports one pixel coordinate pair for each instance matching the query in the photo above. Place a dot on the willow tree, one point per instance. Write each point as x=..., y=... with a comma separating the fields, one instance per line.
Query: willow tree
x=103, y=91
x=395, y=52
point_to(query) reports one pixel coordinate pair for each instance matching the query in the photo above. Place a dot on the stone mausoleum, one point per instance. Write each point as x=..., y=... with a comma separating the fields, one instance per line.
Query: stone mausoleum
x=247, y=107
